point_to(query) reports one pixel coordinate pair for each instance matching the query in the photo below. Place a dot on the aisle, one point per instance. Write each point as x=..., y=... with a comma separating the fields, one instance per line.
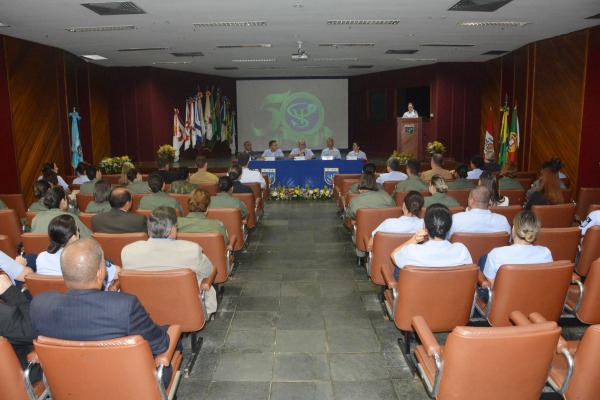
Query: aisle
x=300, y=320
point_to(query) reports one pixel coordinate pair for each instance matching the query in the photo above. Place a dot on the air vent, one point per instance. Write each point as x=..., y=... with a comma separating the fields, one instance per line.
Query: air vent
x=144, y=49
x=255, y=60
x=346, y=44
x=507, y=24
x=232, y=24
x=416, y=59
x=320, y=67
x=340, y=59
x=101, y=28
x=189, y=54
x=597, y=16
x=363, y=22
x=494, y=53
x=273, y=67
x=446, y=45
x=242, y=46
x=226, y=68
x=114, y=8
x=170, y=62
x=479, y=5
x=401, y=51
x=360, y=66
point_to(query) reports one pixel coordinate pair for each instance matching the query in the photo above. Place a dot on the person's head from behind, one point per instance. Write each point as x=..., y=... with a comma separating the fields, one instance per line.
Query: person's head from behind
x=199, y=200
x=479, y=198
x=550, y=186
x=413, y=203
x=462, y=171
x=183, y=173
x=40, y=188
x=235, y=172
x=162, y=223
x=225, y=184
x=56, y=197
x=489, y=180
x=126, y=167
x=101, y=191
x=49, y=166
x=156, y=183
x=437, y=160
x=50, y=177
x=509, y=169
x=62, y=230
x=393, y=164
x=413, y=167
x=367, y=182
x=557, y=163
x=92, y=172
x=477, y=162
x=438, y=221
x=369, y=168
x=120, y=198
x=201, y=163
x=82, y=264
x=526, y=226
x=80, y=170
x=162, y=163
x=243, y=159
x=132, y=175
x=437, y=184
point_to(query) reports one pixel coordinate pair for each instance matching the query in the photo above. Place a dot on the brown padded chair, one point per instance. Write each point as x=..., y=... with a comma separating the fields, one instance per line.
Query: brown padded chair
x=567, y=194
x=11, y=226
x=444, y=296
x=525, y=182
x=211, y=188
x=526, y=288
x=15, y=202
x=486, y=363
x=83, y=199
x=183, y=201
x=213, y=246
x=461, y=195
x=510, y=212
x=172, y=298
x=232, y=219
x=592, y=208
x=400, y=195
x=389, y=186
x=562, y=242
x=113, y=179
x=337, y=184
x=585, y=198
x=555, y=216
x=527, y=174
x=146, y=213
x=86, y=370
x=516, y=197
x=112, y=243
x=7, y=246
x=346, y=183
x=16, y=386
x=250, y=202
x=590, y=250
x=35, y=243
x=37, y=283
x=367, y=219
x=257, y=191
x=267, y=191
x=479, y=244
x=583, y=298
x=30, y=215
x=135, y=200
x=379, y=256
x=86, y=219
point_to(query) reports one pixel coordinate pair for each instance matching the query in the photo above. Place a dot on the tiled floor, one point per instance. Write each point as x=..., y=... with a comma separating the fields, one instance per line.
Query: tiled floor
x=300, y=320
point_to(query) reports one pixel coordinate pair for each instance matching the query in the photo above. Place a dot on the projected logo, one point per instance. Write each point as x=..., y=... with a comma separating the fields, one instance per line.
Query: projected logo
x=328, y=174
x=303, y=113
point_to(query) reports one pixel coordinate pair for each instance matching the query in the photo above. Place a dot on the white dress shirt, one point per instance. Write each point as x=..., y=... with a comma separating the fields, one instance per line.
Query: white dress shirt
x=515, y=254
x=479, y=221
x=392, y=176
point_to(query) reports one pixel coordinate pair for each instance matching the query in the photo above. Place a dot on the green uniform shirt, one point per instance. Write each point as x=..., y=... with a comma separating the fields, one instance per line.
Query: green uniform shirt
x=197, y=222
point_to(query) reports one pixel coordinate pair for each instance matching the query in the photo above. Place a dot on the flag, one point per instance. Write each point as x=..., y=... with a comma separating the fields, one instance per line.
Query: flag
x=224, y=133
x=216, y=114
x=503, y=136
x=178, y=134
x=488, y=145
x=76, y=152
x=514, y=139
x=198, y=120
x=189, y=123
x=208, y=118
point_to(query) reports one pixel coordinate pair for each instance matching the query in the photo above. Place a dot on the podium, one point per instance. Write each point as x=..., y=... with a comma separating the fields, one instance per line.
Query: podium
x=409, y=133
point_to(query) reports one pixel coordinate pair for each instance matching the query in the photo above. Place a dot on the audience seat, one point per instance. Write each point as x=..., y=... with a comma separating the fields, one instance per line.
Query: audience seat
x=510, y=212
x=37, y=283
x=400, y=195
x=516, y=197
x=337, y=184
x=211, y=188
x=135, y=200
x=592, y=208
x=367, y=219
x=183, y=201
x=86, y=219
x=213, y=246
x=146, y=213
x=479, y=244
x=346, y=183
x=112, y=243
x=15, y=202
x=257, y=191
x=461, y=195
x=267, y=191
x=389, y=186
x=35, y=243
x=16, y=386
x=567, y=194
x=555, y=216
x=583, y=299
x=7, y=246
x=562, y=242
x=527, y=174
x=590, y=250
x=11, y=226
x=30, y=215
x=585, y=198
x=83, y=199
x=113, y=179
x=250, y=202
x=232, y=219
x=116, y=369
x=379, y=256
x=525, y=182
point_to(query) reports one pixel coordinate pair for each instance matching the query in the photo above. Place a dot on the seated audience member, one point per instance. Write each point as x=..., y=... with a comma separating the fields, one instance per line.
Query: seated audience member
x=62, y=232
x=412, y=182
x=552, y=165
x=301, y=151
x=158, y=197
x=438, y=189
x=436, y=251
x=436, y=169
x=136, y=184
x=158, y=254
x=87, y=313
x=592, y=219
x=80, y=172
x=478, y=219
x=273, y=151
x=356, y=153
x=235, y=173
x=39, y=191
x=490, y=162
x=393, y=171
x=557, y=165
x=51, y=166
x=248, y=150
x=526, y=226
x=368, y=168
x=94, y=175
x=224, y=199
x=119, y=219
x=249, y=175
x=57, y=202
x=163, y=170
x=51, y=177
x=196, y=221
x=15, y=269
x=15, y=325
x=409, y=222
x=123, y=179
x=476, y=164
x=460, y=181
x=369, y=197
x=101, y=194
x=489, y=180
x=182, y=185
x=203, y=176
x=509, y=173
x=331, y=151
x=548, y=192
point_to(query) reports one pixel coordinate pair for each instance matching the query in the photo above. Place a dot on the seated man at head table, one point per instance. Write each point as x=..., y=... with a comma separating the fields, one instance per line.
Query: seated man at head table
x=248, y=150
x=301, y=151
x=273, y=151
x=331, y=151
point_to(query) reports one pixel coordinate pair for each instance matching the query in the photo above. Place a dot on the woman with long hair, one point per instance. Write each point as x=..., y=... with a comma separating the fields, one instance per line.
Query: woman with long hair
x=123, y=180
x=489, y=180
x=548, y=193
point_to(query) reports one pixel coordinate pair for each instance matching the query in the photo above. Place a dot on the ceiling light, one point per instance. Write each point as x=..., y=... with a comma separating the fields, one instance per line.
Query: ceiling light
x=446, y=45
x=232, y=24
x=401, y=51
x=94, y=57
x=242, y=46
x=101, y=28
x=189, y=54
x=171, y=62
x=346, y=44
x=255, y=60
x=144, y=48
x=341, y=59
x=4, y=25
x=363, y=22
x=479, y=5
x=491, y=23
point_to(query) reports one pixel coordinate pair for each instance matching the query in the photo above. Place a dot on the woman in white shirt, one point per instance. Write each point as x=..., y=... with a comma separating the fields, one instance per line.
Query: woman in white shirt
x=489, y=180
x=356, y=153
x=409, y=222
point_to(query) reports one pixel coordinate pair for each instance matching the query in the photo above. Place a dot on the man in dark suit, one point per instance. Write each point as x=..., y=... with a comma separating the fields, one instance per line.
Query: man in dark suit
x=119, y=219
x=87, y=313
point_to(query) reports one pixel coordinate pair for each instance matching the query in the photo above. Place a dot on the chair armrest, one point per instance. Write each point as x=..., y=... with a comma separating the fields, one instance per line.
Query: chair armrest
x=245, y=220
x=33, y=357
x=482, y=281
x=388, y=277
x=575, y=278
x=518, y=318
x=174, y=332
x=424, y=333
x=207, y=282
x=232, y=242
x=365, y=240
x=538, y=318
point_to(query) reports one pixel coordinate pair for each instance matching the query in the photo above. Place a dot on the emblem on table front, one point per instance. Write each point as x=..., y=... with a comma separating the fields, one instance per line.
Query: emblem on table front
x=328, y=174
x=271, y=173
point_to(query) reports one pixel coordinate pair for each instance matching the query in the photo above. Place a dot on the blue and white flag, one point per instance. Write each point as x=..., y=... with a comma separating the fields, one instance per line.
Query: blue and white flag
x=76, y=152
x=199, y=121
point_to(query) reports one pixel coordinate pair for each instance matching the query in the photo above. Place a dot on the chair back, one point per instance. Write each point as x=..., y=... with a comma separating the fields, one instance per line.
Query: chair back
x=267, y=191
x=527, y=174
x=30, y=215
x=11, y=226
x=7, y=246
x=250, y=202
x=589, y=312
x=346, y=183
x=13, y=386
x=211, y=188
x=555, y=216
x=86, y=219
x=590, y=250
x=461, y=195
x=367, y=219
x=113, y=179
x=135, y=200
x=257, y=191
x=479, y=244
x=567, y=194
x=232, y=219
x=400, y=195
x=383, y=245
x=183, y=201
x=170, y=297
x=389, y=186
x=83, y=199
x=337, y=183
x=35, y=243
x=112, y=243
x=37, y=283
x=525, y=182
x=585, y=382
x=213, y=246
x=530, y=288
x=441, y=295
x=510, y=212
x=592, y=208
x=498, y=363
x=15, y=202
x=86, y=370
x=585, y=198
x=516, y=197
x=562, y=242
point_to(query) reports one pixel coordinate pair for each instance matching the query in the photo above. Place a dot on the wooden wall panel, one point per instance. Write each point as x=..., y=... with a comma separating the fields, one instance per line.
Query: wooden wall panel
x=98, y=100
x=522, y=83
x=10, y=179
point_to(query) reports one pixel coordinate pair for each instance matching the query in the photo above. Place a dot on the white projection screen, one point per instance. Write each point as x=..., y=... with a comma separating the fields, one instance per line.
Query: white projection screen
x=290, y=110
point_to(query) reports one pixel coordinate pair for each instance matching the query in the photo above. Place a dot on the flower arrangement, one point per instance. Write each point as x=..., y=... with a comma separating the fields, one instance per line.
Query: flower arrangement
x=435, y=147
x=298, y=193
x=166, y=151
x=402, y=157
x=113, y=165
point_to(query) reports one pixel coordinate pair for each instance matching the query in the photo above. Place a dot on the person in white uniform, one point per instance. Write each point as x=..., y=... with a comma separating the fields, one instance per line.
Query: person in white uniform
x=592, y=220
x=409, y=222
x=331, y=151
x=273, y=151
x=356, y=153
x=249, y=175
x=411, y=113
x=435, y=252
x=477, y=164
x=301, y=151
x=393, y=171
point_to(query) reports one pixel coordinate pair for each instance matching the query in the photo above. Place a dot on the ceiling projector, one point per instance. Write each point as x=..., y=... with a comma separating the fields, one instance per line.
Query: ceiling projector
x=300, y=55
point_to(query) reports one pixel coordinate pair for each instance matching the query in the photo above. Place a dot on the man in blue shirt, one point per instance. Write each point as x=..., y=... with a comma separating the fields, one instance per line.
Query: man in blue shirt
x=273, y=151
x=331, y=151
